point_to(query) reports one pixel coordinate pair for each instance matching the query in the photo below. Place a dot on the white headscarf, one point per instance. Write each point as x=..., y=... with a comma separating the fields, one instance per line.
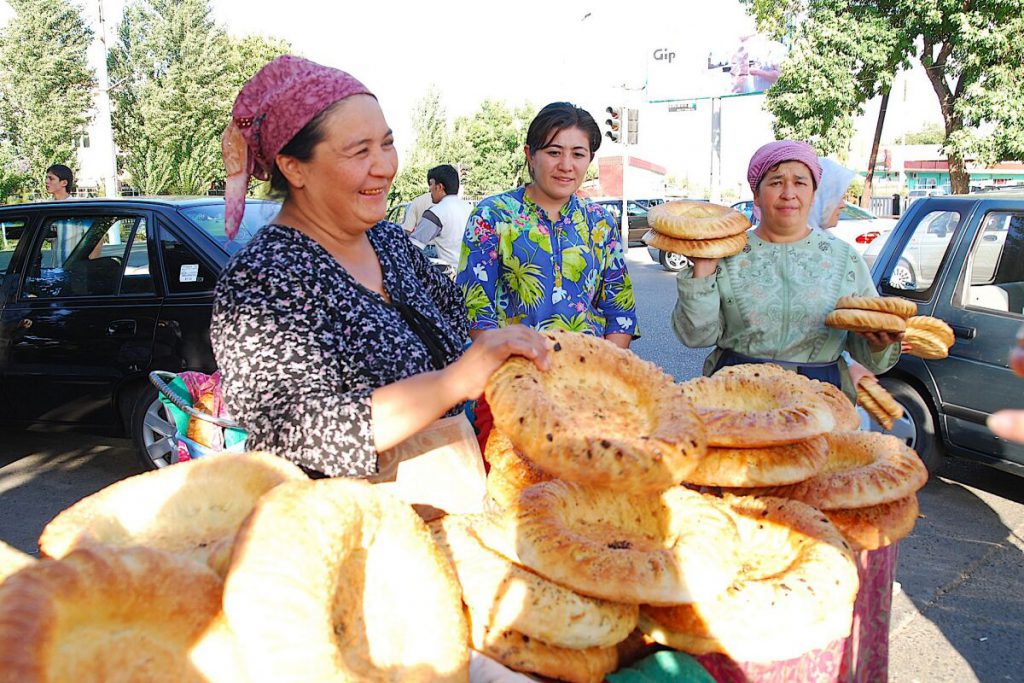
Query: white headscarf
x=835, y=180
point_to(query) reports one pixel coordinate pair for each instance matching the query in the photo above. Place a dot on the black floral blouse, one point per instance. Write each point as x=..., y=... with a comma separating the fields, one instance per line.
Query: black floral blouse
x=301, y=345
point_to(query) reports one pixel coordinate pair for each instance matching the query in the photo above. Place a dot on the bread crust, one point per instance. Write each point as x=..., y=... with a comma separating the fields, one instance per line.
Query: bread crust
x=104, y=614
x=201, y=502
x=876, y=526
x=510, y=472
x=522, y=653
x=599, y=415
x=748, y=412
x=714, y=248
x=336, y=580
x=873, y=409
x=936, y=326
x=667, y=549
x=794, y=594
x=879, y=396
x=768, y=466
x=925, y=344
x=894, y=305
x=860, y=320
x=864, y=469
x=689, y=220
x=507, y=597
x=844, y=412
x=11, y=560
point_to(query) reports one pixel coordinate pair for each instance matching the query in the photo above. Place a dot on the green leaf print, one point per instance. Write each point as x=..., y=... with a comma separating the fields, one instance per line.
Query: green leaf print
x=508, y=238
x=623, y=298
x=540, y=239
x=578, y=323
x=573, y=263
x=476, y=301
x=524, y=280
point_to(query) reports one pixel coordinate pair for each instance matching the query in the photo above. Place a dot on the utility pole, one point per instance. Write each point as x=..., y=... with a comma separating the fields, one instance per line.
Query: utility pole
x=104, y=127
x=716, y=150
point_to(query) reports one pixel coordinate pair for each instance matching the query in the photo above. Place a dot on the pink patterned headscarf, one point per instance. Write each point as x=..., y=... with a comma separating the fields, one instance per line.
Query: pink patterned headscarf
x=271, y=108
x=775, y=153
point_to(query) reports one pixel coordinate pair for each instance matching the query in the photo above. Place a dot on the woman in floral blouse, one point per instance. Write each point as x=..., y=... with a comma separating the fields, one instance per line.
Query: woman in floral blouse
x=540, y=255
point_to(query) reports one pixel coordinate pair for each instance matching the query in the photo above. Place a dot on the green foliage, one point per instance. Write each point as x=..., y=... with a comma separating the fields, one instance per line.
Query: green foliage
x=931, y=134
x=487, y=147
x=846, y=52
x=45, y=89
x=177, y=74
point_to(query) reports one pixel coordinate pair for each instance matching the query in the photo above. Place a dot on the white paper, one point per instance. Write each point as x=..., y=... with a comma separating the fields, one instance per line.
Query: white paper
x=189, y=273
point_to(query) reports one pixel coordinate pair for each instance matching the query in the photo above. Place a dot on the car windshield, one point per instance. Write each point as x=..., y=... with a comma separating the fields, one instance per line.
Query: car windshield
x=210, y=217
x=855, y=213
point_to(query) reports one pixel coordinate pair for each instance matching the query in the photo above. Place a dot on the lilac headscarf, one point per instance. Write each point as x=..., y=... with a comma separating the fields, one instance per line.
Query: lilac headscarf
x=271, y=108
x=775, y=153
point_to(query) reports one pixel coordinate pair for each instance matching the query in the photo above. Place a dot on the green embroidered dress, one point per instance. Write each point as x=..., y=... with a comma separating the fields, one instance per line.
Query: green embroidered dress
x=770, y=301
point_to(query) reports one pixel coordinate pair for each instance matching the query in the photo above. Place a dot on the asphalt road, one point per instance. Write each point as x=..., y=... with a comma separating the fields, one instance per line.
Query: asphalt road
x=959, y=615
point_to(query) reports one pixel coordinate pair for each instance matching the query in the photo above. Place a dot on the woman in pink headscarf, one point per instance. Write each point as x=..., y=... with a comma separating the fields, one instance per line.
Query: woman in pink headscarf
x=336, y=338
x=768, y=303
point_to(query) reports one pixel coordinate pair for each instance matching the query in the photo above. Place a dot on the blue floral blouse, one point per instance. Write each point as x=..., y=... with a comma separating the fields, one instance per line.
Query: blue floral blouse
x=518, y=267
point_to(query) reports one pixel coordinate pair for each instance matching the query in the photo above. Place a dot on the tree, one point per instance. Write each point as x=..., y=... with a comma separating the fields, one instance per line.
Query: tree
x=430, y=147
x=177, y=74
x=847, y=52
x=45, y=85
x=931, y=134
x=492, y=155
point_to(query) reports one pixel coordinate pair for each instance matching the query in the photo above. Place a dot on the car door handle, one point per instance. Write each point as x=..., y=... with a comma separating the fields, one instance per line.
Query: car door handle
x=964, y=332
x=24, y=323
x=121, y=327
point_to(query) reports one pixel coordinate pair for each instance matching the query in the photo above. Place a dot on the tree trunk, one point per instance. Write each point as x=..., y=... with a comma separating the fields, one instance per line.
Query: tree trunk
x=959, y=178
x=935, y=68
x=865, y=198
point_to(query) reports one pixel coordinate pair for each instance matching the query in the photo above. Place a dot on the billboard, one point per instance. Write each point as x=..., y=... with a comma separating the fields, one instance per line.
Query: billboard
x=744, y=64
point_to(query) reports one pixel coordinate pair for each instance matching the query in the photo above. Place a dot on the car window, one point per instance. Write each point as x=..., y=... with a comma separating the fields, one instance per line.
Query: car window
x=80, y=256
x=138, y=278
x=855, y=213
x=923, y=253
x=210, y=218
x=11, y=231
x=997, y=264
x=186, y=273
x=635, y=209
x=614, y=208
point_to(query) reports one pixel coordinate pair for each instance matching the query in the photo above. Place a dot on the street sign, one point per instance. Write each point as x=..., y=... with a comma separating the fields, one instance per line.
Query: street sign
x=682, y=106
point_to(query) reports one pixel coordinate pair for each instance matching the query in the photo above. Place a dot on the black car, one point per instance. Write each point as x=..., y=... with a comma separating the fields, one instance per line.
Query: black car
x=961, y=259
x=94, y=294
x=636, y=211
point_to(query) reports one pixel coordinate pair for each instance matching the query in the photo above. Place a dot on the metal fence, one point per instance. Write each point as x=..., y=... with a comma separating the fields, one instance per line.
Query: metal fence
x=888, y=205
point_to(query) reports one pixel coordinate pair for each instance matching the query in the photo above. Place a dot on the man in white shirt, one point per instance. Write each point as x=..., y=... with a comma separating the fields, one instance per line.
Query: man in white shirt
x=444, y=223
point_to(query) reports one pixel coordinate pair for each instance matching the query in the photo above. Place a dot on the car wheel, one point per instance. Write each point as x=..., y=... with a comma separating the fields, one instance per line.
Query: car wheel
x=903, y=277
x=917, y=426
x=672, y=262
x=153, y=431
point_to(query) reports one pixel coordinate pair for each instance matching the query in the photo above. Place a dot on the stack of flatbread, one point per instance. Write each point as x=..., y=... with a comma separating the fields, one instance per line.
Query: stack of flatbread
x=929, y=338
x=696, y=229
x=871, y=314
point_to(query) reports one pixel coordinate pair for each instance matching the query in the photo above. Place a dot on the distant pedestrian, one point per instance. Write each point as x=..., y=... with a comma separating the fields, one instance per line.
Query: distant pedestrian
x=444, y=223
x=60, y=181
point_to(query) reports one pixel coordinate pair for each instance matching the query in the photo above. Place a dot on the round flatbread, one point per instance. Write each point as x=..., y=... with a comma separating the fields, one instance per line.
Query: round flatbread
x=749, y=412
x=714, y=248
x=864, y=469
x=337, y=580
x=876, y=526
x=794, y=594
x=936, y=326
x=769, y=466
x=690, y=220
x=858, y=320
x=925, y=344
x=894, y=305
x=510, y=472
x=599, y=415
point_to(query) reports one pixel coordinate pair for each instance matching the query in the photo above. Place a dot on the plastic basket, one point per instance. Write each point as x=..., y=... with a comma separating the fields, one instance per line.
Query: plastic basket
x=174, y=394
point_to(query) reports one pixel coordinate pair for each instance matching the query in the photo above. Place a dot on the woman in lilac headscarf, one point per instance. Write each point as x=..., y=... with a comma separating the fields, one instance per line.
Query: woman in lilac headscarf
x=769, y=302
x=336, y=338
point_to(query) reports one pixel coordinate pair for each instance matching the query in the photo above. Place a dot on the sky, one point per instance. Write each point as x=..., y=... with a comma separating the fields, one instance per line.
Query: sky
x=594, y=53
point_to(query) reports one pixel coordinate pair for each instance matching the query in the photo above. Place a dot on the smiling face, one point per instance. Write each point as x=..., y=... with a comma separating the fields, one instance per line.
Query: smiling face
x=350, y=172
x=784, y=197
x=559, y=168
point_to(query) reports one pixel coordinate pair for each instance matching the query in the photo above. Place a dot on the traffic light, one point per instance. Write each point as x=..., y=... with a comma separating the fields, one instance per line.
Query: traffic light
x=632, y=122
x=614, y=123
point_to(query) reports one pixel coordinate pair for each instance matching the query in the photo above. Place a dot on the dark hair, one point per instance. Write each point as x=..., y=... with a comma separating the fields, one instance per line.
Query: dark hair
x=556, y=117
x=301, y=147
x=446, y=175
x=63, y=173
